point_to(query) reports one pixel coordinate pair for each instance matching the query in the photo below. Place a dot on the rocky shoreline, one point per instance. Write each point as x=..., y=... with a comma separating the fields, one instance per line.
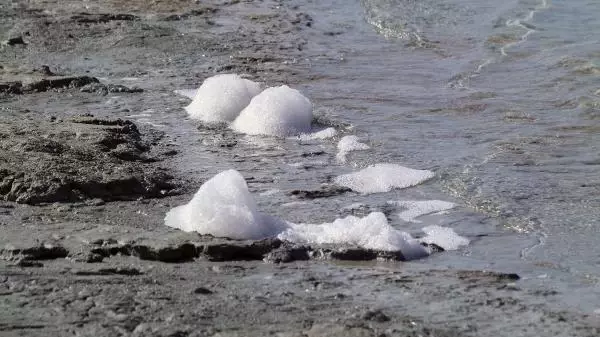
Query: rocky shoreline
x=84, y=190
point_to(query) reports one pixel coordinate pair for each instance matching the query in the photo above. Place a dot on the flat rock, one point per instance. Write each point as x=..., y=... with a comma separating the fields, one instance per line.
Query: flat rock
x=77, y=159
x=105, y=89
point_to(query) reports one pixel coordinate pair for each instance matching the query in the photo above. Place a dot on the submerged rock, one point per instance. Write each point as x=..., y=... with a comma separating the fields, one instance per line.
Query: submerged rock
x=323, y=192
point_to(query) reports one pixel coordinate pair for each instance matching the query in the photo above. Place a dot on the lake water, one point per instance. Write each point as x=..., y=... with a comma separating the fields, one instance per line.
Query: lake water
x=501, y=99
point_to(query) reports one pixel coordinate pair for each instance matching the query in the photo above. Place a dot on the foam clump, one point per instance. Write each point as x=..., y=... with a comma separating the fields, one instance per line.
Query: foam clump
x=370, y=232
x=189, y=93
x=415, y=209
x=221, y=98
x=224, y=207
x=348, y=144
x=382, y=178
x=277, y=111
x=444, y=237
x=322, y=134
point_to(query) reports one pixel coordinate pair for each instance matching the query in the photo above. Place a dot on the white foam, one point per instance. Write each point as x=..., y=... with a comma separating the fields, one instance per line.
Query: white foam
x=221, y=98
x=348, y=144
x=277, y=111
x=382, y=178
x=371, y=232
x=322, y=134
x=444, y=237
x=224, y=207
x=189, y=93
x=415, y=209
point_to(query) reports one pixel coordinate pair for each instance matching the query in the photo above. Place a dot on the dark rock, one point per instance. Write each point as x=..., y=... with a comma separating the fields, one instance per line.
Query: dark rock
x=127, y=271
x=11, y=88
x=41, y=252
x=94, y=258
x=112, y=250
x=508, y=277
x=86, y=257
x=102, y=18
x=361, y=254
x=313, y=153
x=375, y=316
x=202, y=291
x=105, y=89
x=288, y=253
x=240, y=250
x=27, y=257
x=477, y=276
x=58, y=82
x=174, y=254
x=15, y=41
x=324, y=192
x=45, y=70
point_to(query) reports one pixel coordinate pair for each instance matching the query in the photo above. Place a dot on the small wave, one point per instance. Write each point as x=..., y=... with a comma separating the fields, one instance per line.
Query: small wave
x=506, y=42
x=523, y=23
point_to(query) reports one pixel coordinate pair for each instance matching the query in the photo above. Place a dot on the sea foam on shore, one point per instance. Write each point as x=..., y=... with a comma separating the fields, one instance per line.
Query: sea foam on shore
x=276, y=111
x=224, y=207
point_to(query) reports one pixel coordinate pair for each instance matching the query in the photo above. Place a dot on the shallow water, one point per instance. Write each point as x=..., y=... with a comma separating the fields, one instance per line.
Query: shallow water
x=500, y=99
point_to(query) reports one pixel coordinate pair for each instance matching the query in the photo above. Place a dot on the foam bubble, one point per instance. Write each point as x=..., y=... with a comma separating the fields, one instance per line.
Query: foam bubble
x=415, y=209
x=277, y=111
x=371, y=232
x=221, y=98
x=224, y=207
x=322, y=134
x=444, y=237
x=382, y=178
x=347, y=144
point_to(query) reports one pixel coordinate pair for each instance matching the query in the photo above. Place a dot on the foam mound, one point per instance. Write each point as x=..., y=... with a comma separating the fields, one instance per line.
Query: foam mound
x=382, y=178
x=348, y=144
x=224, y=207
x=415, y=209
x=277, y=111
x=444, y=237
x=371, y=232
x=221, y=98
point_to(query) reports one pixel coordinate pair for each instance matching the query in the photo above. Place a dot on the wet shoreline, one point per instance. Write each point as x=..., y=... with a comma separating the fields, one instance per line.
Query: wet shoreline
x=78, y=261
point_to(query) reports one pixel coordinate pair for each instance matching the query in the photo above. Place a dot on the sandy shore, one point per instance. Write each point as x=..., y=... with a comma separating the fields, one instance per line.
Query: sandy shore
x=84, y=191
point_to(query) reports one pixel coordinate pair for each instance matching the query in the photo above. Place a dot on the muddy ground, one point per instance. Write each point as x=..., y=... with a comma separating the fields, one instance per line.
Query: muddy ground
x=84, y=191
